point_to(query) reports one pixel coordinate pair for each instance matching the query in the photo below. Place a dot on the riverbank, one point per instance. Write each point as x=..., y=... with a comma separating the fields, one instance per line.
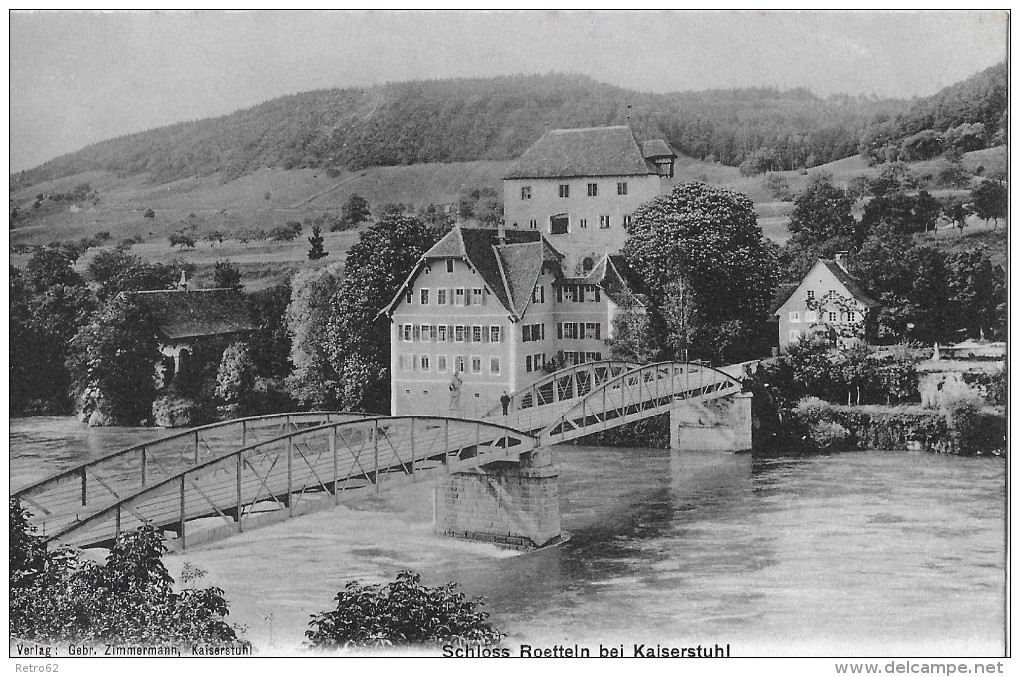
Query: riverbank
x=963, y=431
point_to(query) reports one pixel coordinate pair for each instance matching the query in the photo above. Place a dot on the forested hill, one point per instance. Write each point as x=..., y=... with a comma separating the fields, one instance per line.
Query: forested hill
x=969, y=115
x=470, y=119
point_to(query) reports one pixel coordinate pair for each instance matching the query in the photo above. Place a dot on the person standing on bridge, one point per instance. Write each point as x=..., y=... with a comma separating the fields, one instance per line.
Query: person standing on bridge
x=455, y=392
x=505, y=401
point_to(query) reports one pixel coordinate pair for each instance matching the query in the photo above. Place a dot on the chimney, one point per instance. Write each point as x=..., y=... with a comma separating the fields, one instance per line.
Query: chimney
x=501, y=231
x=841, y=260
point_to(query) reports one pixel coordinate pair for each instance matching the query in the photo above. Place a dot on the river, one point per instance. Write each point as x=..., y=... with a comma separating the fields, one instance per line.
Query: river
x=861, y=553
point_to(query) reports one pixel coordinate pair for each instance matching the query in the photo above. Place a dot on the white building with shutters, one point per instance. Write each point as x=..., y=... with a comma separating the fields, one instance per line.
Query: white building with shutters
x=487, y=311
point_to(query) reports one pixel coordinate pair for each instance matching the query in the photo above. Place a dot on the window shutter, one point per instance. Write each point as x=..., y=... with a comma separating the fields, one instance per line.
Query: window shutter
x=467, y=333
x=435, y=333
x=449, y=333
x=485, y=293
x=417, y=332
x=598, y=330
x=559, y=330
x=400, y=332
x=467, y=296
x=485, y=334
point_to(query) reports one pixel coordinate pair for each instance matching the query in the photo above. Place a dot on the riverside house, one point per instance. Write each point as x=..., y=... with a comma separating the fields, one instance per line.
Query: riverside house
x=579, y=187
x=486, y=311
x=828, y=300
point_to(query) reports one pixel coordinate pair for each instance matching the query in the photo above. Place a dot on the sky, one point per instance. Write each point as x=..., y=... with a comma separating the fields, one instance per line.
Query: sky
x=81, y=77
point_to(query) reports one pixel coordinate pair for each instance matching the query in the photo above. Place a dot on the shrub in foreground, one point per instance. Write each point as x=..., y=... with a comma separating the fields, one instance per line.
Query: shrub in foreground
x=401, y=613
x=62, y=597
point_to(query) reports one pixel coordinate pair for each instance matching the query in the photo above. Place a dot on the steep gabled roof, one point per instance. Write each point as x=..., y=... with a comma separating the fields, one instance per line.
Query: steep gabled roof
x=615, y=278
x=508, y=269
x=785, y=292
x=591, y=151
x=849, y=282
x=657, y=148
x=201, y=312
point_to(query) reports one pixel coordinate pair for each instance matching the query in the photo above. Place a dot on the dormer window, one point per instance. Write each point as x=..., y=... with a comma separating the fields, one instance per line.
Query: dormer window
x=564, y=190
x=449, y=265
x=525, y=192
x=593, y=190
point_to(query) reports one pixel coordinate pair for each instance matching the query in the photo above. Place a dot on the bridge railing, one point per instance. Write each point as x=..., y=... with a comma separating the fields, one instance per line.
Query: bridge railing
x=529, y=407
x=297, y=473
x=641, y=393
x=66, y=495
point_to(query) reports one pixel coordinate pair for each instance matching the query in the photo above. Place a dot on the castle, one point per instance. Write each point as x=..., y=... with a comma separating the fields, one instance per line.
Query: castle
x=489, y=311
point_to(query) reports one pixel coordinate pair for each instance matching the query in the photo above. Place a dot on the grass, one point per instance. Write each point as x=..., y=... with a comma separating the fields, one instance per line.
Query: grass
x=272, y=197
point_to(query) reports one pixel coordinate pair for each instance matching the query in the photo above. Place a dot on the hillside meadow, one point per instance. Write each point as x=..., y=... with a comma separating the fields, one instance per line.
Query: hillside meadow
x=272, y=197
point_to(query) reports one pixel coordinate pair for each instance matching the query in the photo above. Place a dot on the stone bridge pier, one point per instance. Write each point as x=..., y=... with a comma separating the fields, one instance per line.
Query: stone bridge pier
x=716, y=425
x=509, y=503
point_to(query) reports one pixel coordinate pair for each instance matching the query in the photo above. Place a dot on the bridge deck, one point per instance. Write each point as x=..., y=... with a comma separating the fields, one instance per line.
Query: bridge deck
x=248, y=472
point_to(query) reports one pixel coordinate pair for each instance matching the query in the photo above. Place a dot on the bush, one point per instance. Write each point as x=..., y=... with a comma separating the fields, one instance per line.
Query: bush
x=61, y=597
x=236, y=376
x=401, y=613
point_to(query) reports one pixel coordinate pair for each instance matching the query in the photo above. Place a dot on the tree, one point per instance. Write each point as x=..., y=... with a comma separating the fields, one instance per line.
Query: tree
x=991, y=201
x=401, y=613
x=61, y=597
x=114, y=271
x=634, y=339
x=235, y=376
x=270, y=343
x=182, y=239
x=359, y=339
x=956, y=210
x=316, y=252
x=226, y=276
x=354, y=212
x=700, y=251
x=112, y=361
x=778, y=187
x=313, y=381
x=822, y=213
x=215, y=237
x=950, y=172
x=149, y=214
x=52, y=266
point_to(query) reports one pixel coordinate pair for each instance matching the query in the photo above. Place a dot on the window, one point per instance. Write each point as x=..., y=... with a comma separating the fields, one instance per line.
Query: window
x=593, y=330
x=441, y=297
x=604, y=221
x=538, y=294
x=794, y=316
x=458, y=297
x=525, y=192
x=493, y=365
x=476, y=364
x=794, y=335
x=476, y=334
x=477, y=298
x=406, y=362
x=811, y=316
x=459, y=363
x=534, y=362
x=564, y=190
x=426, y=332
x=441, y=333
x=424, y=361
x=583, y=223
x=458, y=334
x=407, y=336
x=559, y=224
x=494, y=333
x=832, y=317
x=587, y=265
x=593, y=357
x=409, y=295
x=533, y=223
x=626, y=221
x=851, y=316
x=621, y=188
x=449, y=265
x=441, y=364
x=811, y=295
x=425, y=296
x=593, y=190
